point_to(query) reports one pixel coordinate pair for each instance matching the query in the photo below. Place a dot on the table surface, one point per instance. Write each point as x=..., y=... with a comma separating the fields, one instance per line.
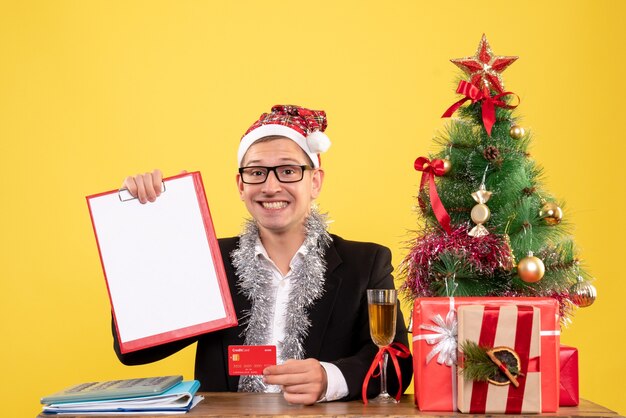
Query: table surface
x=225, y=404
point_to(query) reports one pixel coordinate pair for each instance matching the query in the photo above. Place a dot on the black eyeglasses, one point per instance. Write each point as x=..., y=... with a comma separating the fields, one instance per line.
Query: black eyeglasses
x=284, y=173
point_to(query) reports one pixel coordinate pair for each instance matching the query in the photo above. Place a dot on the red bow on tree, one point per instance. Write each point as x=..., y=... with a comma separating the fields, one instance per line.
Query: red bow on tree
x=395, y=350
x=429, y=170
x=489, y=104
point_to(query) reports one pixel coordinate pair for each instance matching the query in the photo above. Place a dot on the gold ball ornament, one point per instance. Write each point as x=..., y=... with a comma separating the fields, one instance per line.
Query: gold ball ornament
x=530, y=269
x=447, y=165
x=583, y=293
x=517, y=132
x=551, y=213
x=480, y=213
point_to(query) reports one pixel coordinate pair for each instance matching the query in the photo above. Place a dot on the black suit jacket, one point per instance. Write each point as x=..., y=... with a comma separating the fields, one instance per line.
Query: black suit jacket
x=339, y=331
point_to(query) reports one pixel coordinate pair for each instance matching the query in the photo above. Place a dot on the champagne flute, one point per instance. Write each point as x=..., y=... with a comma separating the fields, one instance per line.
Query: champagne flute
x=382, y=317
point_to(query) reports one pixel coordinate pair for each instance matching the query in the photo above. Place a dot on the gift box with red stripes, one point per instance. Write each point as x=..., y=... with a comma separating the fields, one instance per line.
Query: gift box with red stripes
x=502, y=371
x=435, y=349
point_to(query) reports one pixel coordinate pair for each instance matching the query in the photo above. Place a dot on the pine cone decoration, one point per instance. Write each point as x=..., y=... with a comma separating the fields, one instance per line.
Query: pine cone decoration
x=491, y=153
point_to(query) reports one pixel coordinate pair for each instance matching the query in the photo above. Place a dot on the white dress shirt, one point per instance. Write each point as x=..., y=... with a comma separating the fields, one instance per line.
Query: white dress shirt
x=337, y=387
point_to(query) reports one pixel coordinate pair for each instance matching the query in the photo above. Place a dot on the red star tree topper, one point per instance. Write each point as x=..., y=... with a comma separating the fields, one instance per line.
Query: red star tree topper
x=484, y=67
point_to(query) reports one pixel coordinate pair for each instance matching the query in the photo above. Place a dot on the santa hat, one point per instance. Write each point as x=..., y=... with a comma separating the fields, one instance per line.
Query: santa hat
x=303, y=126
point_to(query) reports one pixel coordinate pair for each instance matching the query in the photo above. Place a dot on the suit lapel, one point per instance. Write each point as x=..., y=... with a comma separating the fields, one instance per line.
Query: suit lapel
x=319, y=315
x=232, y=336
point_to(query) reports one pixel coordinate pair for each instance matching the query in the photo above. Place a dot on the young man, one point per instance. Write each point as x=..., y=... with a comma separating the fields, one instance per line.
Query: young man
x=293, y=284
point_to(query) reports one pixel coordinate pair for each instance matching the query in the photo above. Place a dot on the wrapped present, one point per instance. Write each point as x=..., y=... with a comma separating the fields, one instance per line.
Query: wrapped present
x=569, y=377
x=435, y=349
x=499, y=366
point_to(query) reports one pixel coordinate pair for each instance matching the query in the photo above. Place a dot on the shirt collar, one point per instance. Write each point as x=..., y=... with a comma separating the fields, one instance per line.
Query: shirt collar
x=259, y=251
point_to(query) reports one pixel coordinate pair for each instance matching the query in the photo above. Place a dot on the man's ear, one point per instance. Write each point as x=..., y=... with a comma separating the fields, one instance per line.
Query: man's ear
x=317, y=179
x=239, y=185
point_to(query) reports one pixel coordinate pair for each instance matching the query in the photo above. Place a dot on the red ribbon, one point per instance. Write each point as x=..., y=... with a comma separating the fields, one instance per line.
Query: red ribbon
x=534, y=364
x=395, y=350
x=429, y=170
x=489, y=104
x=487, y=337
x=522, y=348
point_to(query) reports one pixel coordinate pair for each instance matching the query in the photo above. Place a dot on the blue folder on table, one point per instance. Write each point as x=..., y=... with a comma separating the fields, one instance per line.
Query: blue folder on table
x=180, y=398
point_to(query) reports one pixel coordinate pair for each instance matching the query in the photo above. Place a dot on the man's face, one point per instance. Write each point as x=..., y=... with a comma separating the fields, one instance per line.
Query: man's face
x=279, y=208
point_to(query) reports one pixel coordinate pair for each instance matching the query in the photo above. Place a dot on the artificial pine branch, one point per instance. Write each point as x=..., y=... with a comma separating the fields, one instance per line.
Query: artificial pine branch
x=477, y=365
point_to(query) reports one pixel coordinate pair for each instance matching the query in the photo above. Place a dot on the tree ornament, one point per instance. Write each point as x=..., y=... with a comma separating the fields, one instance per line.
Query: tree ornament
x=508, y=262
x=499, y=365
x=480, y=212
x=517, y=132
x=429, y=170
x=530, y=268
x=583, y=293
x=447, y=165
x=488, y=103
x=491, y=153
x=409, y=327
x=551, y=213
x=484, y=67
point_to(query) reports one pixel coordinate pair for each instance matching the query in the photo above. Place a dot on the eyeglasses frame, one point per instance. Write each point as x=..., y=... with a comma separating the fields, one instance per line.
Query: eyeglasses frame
x=304, y=168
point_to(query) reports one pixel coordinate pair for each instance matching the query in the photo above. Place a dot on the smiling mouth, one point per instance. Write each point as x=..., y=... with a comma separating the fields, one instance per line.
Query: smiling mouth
x=274, y=205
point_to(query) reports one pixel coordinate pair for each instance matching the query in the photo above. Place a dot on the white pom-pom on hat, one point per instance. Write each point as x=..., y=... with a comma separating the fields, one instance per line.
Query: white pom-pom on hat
x=317, y=142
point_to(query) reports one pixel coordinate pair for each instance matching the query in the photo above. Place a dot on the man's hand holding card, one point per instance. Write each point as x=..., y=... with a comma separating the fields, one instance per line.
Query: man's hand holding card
x=250, y=359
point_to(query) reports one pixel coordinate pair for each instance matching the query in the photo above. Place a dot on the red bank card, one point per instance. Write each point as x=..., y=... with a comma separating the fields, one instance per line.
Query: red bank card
x=250, y=359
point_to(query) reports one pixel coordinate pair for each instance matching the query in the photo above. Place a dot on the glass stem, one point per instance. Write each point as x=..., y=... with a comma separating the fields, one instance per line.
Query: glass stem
x=383, y=375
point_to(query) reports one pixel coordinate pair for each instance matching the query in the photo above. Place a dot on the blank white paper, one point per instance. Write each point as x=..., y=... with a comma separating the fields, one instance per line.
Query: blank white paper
x=157, y=261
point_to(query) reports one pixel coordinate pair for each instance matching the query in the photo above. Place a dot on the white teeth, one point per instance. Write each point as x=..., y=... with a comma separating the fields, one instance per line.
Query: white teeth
x=274, y=205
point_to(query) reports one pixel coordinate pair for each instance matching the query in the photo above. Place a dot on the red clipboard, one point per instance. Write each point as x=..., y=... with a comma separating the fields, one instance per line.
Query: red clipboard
x=162, y=264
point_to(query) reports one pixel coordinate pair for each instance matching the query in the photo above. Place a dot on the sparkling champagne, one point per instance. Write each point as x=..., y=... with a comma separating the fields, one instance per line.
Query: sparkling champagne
x=382, y=323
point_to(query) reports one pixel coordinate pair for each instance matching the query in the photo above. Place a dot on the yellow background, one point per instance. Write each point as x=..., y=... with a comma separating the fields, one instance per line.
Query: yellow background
x=91, y=91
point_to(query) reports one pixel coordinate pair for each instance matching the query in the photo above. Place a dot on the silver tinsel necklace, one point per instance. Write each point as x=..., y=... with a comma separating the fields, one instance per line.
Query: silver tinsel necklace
x=255, y=282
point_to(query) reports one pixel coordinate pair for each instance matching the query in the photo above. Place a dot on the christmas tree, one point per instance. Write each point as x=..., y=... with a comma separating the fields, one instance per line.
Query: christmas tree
x=490, y=227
